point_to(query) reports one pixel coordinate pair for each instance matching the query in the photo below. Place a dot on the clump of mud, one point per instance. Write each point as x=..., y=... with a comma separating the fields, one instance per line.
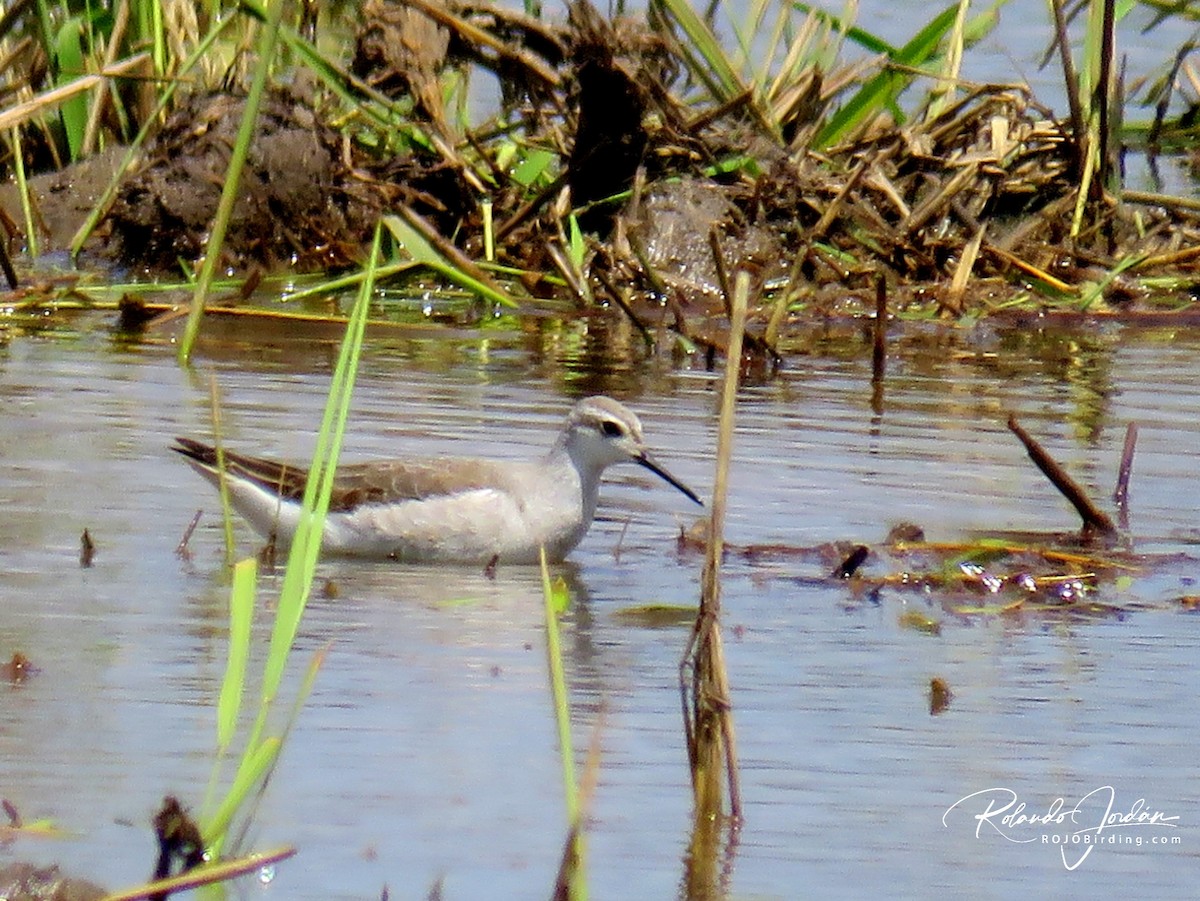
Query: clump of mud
x=296, y=205
x=683, y=227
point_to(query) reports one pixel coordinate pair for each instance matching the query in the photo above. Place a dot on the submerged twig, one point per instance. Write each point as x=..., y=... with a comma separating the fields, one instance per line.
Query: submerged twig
x=849, y=566
x=1094, y=519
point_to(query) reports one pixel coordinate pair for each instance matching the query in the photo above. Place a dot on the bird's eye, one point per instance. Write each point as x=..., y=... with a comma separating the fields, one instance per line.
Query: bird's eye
x=612, y=429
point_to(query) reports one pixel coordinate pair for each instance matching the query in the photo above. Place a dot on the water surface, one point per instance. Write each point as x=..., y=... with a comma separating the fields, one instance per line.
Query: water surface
x=428, y=748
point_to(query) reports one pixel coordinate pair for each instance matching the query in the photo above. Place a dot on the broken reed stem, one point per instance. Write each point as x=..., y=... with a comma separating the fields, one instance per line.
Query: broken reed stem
x=879, y=347
x=1121, y=494
x=1094, y=519
x=708, y=721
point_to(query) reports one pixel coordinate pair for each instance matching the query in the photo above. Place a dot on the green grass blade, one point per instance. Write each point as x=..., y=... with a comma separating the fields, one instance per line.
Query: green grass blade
x=306, y=544
x=860, y=36
x=558, y=689
x=716, y=71
x=68, y=51
x=45, y=25
x=23, y=191
x=577, y=246
x=533, y=166
x=222, y=478
x=552, y=601
x=419, y=248
x=1096, y=292
x=885, y=87
x=416, y=244
x=254, y=767
x=1089, y=71
x=302, y=559
x=306, y=687
x=241, y=149
x=489, y=230
x=981, y=25
x=155, y=30
x=241, y=614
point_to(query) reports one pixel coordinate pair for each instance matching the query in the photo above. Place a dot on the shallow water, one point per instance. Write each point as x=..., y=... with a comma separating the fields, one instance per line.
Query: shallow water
x=427, y=749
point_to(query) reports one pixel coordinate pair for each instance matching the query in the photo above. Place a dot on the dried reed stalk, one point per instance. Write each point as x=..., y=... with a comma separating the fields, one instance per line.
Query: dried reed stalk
x=707, y=711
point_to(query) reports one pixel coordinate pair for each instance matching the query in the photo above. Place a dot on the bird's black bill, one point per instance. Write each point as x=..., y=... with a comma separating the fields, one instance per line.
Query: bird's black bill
x=668, y=478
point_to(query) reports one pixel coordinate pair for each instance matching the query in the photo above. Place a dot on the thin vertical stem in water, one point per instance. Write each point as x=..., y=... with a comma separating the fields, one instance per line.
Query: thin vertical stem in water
x=214, y=399
x=718, y=255
x=1121, y=494
x=879, y=348
x=558, y=688
x=570, y=883
x=708, y=719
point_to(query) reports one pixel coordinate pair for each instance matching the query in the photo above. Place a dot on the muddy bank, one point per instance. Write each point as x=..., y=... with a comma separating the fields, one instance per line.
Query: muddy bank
x=982, y=196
